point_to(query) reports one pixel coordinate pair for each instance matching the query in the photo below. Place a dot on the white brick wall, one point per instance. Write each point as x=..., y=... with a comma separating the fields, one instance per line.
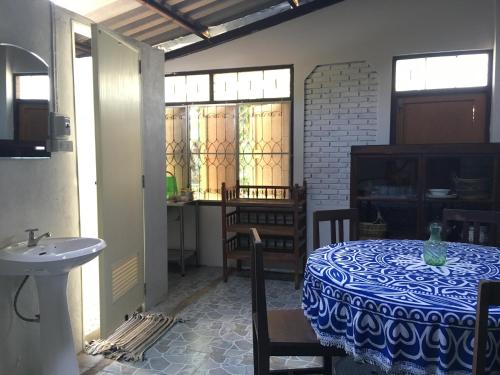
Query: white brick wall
x=340, y=111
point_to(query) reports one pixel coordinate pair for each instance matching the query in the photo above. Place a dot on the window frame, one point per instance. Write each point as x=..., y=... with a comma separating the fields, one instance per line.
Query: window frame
x=17, y=101
x=211, y=74
x=396, y=95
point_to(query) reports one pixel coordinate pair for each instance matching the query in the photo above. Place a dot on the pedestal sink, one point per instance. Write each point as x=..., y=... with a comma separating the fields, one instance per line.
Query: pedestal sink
x=49, y=262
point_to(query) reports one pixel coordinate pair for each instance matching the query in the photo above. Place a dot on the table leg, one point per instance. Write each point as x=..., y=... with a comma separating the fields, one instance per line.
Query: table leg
x=183, y=270
x=197, y=220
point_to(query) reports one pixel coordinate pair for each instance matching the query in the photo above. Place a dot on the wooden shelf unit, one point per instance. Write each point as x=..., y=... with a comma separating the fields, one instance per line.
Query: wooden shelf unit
x=406, y=172
x=279, y=215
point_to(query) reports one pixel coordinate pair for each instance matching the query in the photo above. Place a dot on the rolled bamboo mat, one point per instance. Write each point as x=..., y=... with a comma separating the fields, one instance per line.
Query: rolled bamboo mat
x=136, y=335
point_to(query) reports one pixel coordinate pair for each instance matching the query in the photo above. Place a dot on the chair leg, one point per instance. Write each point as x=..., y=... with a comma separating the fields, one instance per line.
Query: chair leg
x=264, y=365
x=327, y=365
x=224, y=266
x=296, y=274
x=255, y=352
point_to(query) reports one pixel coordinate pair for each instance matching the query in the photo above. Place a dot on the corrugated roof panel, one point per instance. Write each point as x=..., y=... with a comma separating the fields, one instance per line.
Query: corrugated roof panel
x=171, y=22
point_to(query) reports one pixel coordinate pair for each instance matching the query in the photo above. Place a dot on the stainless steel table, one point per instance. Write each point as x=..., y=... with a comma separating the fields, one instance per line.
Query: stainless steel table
x=180, y=255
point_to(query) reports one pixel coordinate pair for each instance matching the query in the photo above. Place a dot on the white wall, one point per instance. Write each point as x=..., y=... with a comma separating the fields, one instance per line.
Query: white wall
x=34, y=193
x=155, y=207
x=43, y=193
x=354, y=30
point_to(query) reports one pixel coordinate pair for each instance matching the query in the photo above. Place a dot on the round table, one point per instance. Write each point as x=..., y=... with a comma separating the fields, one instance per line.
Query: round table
x=379, y=301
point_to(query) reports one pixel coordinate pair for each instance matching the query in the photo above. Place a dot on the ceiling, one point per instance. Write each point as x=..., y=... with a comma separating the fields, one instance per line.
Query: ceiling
x=181, y=27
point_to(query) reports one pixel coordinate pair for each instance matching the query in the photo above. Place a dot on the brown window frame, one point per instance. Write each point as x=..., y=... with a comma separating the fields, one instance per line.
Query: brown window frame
x=211, y=74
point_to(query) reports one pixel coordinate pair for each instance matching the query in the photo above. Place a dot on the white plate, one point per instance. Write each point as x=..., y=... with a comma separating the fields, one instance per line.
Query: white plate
x=449, y=196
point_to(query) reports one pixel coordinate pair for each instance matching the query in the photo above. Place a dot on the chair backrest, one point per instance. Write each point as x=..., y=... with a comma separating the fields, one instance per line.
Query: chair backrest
x=336, y=219
x=475, y=219
x=488, y=294
x=259, y=304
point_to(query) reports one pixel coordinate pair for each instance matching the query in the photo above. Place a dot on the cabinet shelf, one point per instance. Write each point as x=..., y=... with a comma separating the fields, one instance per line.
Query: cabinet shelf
x=458, y=200
x=387, y=198
x=264, y=230
x=278, y=213
x=413, y=169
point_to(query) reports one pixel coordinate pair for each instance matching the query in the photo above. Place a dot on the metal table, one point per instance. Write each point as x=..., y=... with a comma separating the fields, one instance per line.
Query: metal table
x=180, y=255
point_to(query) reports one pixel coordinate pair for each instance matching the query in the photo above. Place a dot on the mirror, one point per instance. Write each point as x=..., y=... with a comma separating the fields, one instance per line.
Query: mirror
x=24, y=103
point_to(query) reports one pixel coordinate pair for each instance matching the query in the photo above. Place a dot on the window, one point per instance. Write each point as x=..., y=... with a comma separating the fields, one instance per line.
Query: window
x=442, y=72
x=31, y=107
x=32, y=87
x=441, y=98
x=243, y=133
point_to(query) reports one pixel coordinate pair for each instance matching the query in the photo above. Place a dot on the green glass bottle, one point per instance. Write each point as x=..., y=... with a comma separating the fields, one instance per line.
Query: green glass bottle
x=434, y=248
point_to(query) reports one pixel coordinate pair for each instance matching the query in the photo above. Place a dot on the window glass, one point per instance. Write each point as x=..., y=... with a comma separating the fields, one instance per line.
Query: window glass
x=247, y=85
x=442, y=72
x=228, y=141
x=198, y=88
x=225, y=86
x=277, y=83
x=33, y=87
x=175, y=89
x=476, y=67
x=250, y=85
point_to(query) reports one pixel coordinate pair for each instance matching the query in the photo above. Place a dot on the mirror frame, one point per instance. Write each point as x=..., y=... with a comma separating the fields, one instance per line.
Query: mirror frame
x=16, y=149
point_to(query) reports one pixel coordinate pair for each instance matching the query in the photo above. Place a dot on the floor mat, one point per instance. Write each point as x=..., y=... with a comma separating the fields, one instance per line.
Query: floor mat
x=129, y=341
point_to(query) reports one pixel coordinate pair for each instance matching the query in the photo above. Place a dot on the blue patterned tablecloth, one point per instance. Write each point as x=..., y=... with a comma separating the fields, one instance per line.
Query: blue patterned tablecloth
x=379, y=301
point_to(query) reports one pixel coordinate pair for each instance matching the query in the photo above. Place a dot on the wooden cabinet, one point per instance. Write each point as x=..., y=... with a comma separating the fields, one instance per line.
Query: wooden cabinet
x=279, y=215
x=395, y=181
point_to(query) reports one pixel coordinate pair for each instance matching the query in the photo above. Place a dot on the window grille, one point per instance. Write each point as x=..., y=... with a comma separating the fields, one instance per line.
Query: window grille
x=246, y=141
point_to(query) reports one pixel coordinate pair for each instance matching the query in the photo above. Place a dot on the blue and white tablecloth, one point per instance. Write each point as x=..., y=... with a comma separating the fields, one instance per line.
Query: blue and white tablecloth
x=379, y=301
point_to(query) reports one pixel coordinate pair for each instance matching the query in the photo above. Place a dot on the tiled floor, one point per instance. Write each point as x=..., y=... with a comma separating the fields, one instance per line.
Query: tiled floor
x=216, y=335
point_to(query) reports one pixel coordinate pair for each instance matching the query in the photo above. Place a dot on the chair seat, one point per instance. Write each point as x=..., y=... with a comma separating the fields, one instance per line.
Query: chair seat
x=290, y=326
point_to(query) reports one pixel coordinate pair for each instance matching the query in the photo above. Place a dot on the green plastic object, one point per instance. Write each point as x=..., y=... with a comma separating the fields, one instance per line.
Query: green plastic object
x=434, y=248
x=171, y=185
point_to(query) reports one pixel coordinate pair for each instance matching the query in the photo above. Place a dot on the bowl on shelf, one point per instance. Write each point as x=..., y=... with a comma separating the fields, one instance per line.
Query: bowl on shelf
x=439, y=192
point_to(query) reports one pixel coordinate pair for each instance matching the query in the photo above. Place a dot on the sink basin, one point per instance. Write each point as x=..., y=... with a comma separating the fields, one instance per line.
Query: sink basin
x=50, y=257
x=49, y=262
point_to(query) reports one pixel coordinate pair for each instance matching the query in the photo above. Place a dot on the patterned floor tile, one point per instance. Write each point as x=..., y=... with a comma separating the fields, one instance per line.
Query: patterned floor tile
x=215, y=335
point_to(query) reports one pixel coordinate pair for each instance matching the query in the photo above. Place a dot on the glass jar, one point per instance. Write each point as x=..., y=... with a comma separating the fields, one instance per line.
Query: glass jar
x=434, y=248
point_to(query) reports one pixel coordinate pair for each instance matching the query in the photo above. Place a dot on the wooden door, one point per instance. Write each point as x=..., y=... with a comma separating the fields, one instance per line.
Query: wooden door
x=117, y=106
x=442, y=119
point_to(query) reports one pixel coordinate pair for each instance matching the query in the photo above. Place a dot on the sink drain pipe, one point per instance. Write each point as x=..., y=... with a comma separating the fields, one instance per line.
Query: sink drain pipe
x=30, y=320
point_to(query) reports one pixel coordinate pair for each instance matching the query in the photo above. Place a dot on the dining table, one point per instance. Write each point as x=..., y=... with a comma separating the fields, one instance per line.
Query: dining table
x=381, y=303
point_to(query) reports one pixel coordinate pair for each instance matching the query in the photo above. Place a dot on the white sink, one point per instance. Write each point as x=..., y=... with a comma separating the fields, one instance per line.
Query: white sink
x=50, y=257
x=49, y=262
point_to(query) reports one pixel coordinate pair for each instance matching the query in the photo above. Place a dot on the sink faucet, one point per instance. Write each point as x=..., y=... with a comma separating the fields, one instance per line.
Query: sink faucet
x=32, y=240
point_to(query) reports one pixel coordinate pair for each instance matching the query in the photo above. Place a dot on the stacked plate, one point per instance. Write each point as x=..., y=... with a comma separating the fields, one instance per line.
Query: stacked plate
x=440, y=193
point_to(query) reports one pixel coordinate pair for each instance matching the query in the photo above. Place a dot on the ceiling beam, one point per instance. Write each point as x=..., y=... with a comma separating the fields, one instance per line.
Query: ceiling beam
x=293, y=3
x=170, y=13
x=250, y=28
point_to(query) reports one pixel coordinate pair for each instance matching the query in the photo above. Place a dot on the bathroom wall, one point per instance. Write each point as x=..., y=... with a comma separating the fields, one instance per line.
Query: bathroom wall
x=35, y=194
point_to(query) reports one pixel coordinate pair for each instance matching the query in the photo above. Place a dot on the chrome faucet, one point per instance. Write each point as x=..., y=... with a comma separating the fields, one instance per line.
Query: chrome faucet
x=32, y=240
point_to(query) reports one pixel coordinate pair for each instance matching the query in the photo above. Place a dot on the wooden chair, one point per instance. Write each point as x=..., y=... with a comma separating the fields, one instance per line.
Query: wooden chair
x=472, y=218
x=488, y=294
x=281, y=332
x=336, y=218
